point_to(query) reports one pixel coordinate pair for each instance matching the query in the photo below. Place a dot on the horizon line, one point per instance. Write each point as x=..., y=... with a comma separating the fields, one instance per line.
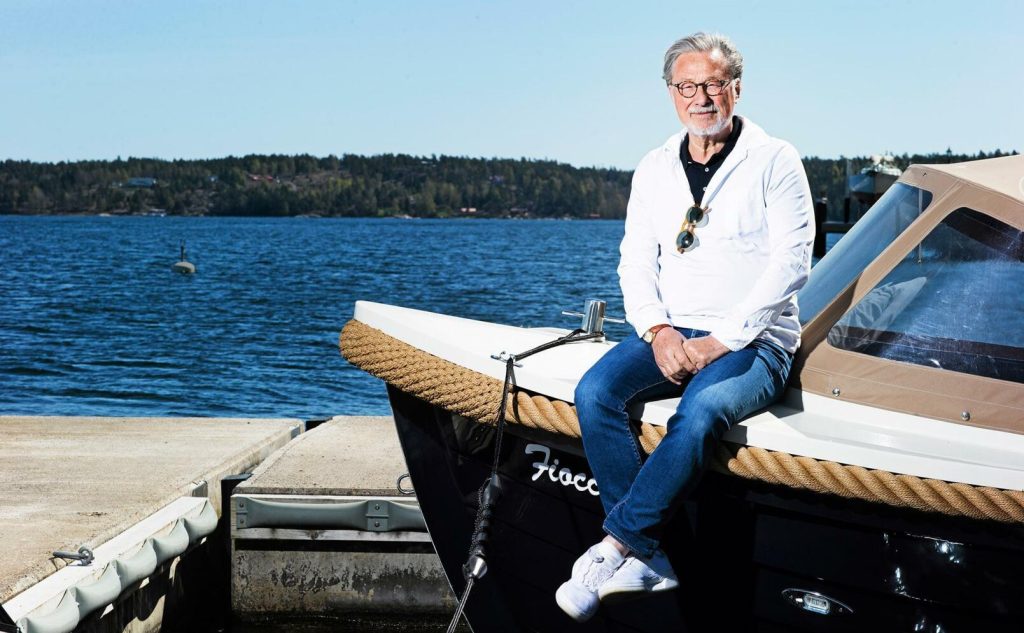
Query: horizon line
x=435, y=156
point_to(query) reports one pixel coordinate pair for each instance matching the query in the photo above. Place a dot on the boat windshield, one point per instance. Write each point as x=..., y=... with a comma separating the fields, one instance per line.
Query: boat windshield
x=953, y=302
x=895, y=211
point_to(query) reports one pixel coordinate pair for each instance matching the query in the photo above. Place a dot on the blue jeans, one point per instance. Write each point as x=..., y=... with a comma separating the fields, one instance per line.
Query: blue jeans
x=640, y=497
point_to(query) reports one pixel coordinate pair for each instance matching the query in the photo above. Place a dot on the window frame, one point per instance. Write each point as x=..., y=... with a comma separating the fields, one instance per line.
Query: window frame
x=901, y=386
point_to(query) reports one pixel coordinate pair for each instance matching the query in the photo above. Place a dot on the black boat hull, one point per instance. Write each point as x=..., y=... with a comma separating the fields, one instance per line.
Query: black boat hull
x=750, y=556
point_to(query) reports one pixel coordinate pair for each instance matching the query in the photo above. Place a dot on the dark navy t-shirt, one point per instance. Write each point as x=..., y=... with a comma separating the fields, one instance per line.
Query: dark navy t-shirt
x=699, y=175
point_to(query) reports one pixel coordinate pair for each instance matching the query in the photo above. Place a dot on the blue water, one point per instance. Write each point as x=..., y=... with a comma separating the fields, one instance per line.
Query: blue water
x=93, y=321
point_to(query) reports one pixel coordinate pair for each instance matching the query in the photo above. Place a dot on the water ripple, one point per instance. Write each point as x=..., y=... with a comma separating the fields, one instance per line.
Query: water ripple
x=95, y=323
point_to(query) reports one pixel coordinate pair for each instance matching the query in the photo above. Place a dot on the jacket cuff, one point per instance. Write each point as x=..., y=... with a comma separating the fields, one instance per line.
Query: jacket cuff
x=736, y=336
x=647, y=319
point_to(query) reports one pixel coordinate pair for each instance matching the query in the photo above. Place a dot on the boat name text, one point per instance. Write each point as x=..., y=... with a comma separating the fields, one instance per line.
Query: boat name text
x=563, y=476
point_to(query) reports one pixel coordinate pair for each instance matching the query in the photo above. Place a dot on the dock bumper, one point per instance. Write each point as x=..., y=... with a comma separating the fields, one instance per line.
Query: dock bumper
x=308, y=556
x=60, y=602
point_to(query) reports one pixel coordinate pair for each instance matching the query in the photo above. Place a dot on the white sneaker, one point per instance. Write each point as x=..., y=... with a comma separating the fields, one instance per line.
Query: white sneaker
x=578, y=595
x=639, y=575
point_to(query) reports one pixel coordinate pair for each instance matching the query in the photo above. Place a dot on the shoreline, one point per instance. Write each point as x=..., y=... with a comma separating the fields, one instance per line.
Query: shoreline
x=307, y=216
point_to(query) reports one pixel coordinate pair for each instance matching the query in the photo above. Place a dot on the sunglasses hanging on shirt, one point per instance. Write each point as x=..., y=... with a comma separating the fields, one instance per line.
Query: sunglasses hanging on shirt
x=687, y=233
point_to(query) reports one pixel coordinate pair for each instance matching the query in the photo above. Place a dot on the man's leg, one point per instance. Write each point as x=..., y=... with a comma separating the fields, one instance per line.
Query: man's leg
x=718, y=396
x=626, y=374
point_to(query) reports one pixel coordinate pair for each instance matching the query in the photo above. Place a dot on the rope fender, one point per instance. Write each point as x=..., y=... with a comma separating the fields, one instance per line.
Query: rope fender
x=474, y=395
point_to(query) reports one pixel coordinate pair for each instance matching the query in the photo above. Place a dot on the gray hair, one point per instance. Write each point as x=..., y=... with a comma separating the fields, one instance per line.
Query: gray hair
x=704, y=43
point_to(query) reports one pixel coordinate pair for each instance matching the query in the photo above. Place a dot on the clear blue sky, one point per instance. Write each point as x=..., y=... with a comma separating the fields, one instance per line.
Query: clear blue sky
x=572, y=81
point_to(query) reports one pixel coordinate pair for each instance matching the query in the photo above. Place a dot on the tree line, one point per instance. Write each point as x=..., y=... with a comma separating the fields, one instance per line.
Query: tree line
x=352, y=185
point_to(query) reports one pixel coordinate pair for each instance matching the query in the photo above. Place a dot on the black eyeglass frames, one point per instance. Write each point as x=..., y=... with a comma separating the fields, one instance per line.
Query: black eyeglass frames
x=712, y=87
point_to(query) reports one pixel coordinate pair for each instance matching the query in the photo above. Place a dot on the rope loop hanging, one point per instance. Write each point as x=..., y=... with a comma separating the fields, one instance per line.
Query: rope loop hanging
x=476, y=562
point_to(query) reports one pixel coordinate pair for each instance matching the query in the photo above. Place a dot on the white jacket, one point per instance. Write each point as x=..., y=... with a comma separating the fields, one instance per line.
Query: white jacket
x=753, y=249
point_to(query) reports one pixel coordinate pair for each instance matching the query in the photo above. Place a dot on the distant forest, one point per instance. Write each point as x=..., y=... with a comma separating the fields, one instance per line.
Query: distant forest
x=350, y=186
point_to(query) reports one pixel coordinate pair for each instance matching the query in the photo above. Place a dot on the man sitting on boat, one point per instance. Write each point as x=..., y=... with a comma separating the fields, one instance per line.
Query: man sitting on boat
x=717, y=242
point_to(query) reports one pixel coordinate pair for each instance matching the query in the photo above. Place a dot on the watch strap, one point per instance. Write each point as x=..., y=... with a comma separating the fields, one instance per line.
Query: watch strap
x=651, y=333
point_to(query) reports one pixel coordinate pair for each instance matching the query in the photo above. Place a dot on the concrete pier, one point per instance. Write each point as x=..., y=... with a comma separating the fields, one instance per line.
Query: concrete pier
x=68, y=482
x=348, y=559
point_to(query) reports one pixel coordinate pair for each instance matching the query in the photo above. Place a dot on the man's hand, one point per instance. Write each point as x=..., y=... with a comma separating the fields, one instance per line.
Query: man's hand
x=670, y=356
x=703, y=351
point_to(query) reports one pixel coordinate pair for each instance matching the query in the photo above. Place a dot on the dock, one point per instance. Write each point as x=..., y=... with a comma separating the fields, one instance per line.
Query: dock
x=326, y=527
x=129, y=490
x=313, y=524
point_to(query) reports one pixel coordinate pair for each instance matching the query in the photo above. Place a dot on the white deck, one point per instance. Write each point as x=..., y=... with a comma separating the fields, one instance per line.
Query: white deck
x=804, y=424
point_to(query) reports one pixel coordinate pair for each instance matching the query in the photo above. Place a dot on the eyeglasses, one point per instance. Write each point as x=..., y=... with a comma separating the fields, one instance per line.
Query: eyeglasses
x=687, y=233
x=712, y=87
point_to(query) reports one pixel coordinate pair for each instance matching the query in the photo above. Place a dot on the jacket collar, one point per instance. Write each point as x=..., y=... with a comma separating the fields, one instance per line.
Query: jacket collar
x=751, y=136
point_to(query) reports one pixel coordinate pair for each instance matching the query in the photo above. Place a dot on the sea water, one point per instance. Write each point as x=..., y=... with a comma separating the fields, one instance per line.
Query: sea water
x=94, y=322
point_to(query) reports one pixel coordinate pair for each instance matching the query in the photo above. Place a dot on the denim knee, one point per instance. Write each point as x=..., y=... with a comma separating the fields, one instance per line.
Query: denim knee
x=705, y=405
x=590, y=397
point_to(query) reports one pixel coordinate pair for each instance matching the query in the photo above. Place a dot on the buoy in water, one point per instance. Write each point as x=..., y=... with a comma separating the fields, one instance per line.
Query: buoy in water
x=183, y=266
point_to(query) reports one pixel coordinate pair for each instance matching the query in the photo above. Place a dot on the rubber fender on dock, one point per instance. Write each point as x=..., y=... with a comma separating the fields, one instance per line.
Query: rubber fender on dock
x=63, y=619
x=141, y=565
x=82, y=599
x=99, y=593
x=374, y=515
x=203, y=524
x=172, y=544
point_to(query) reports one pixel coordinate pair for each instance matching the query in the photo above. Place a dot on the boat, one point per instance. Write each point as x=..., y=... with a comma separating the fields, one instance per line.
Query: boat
x=885, y=492
x=863, y=188
x=874, y=180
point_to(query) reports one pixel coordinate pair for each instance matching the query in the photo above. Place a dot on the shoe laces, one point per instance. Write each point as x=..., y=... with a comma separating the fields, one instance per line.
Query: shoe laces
x=642, y=568
x=596, y=571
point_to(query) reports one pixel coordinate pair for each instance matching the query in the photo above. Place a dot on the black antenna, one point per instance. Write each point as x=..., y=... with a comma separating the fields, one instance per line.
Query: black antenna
x=182, y=265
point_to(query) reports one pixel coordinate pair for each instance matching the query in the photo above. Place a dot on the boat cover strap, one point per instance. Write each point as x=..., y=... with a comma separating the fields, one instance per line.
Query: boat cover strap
x=476, y=396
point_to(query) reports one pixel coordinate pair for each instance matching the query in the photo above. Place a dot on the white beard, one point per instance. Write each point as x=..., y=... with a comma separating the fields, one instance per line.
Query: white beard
x=712, y=130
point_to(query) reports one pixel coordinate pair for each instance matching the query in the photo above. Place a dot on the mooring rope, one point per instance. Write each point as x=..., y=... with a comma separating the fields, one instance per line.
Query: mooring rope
x=472, y=394
x=476, y=562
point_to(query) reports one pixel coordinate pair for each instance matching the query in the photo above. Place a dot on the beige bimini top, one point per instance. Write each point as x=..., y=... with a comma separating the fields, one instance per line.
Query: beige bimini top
x=920, y=308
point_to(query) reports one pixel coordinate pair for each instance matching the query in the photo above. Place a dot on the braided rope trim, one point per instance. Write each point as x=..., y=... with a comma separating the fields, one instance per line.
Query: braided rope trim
x=474, y=395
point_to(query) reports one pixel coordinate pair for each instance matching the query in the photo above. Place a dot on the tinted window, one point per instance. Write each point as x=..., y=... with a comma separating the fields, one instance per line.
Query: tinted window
x=893, y=213
x=956, y=301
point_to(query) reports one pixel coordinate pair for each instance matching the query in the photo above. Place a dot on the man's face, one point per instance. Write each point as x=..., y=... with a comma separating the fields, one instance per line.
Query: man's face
x=700, y=114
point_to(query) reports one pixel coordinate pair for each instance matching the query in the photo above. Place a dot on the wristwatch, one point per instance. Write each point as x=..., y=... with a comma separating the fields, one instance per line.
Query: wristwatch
x=649, y=335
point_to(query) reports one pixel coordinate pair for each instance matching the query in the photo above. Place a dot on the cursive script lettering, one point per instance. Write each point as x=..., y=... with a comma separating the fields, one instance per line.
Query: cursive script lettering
x=563, y=475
